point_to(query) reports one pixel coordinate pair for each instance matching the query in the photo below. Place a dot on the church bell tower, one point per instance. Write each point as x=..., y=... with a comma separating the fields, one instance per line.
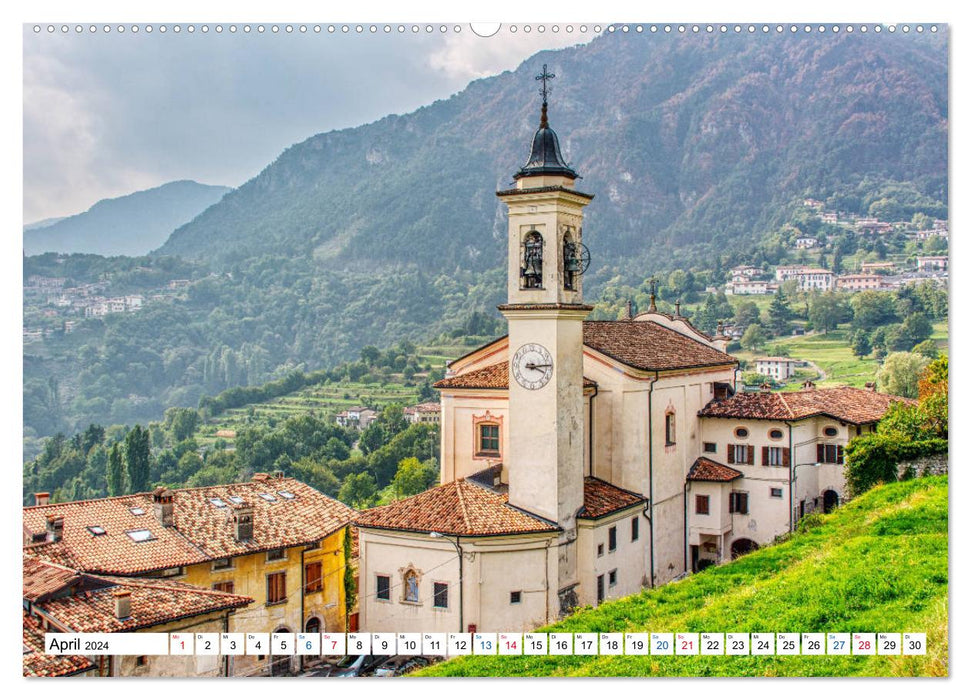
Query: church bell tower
x=545, y=311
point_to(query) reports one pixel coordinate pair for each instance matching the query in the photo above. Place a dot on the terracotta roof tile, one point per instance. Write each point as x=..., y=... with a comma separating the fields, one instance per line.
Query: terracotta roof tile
x=601, y=498
x=649, y=346
x=843, y=403
x=457, y=508
x=201, y=531
x=491, y=377
x=705, y=469
x=91, y=608
x=38, y=664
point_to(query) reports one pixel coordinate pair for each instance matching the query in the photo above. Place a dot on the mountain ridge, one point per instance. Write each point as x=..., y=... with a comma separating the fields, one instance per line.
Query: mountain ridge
x=131, y=224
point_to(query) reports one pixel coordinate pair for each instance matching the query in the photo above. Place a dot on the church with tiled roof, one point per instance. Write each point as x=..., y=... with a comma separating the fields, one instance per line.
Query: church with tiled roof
x=584, y=460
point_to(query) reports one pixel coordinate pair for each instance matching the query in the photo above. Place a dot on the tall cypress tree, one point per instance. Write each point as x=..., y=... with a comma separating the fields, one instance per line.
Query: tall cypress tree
x=116, y=471
x=137, y=456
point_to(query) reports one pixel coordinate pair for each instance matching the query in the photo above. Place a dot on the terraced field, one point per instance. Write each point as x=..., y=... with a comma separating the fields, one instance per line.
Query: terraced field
x=328, y=399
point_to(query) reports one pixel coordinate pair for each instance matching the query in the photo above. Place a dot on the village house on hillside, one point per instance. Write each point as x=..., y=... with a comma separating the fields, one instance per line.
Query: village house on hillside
x=359, y=417
x=274, y=541
x=572, y=451
x=429, y=412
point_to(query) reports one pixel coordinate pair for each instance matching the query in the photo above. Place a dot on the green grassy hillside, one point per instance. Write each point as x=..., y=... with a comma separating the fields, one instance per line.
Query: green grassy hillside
x=877, y=564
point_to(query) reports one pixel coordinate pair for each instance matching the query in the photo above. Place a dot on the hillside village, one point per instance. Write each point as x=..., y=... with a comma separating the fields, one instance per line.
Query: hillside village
x=578, y=461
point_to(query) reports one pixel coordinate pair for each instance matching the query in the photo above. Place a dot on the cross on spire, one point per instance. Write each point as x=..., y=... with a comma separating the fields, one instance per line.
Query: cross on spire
x=545, y=92
x=544, y=76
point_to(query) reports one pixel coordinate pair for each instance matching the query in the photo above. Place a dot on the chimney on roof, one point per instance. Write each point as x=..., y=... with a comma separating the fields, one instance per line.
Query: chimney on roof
x=677, y=309
x=630, y=310
x=243, y=522
x=122, y=598
x=765, y=388
x=260, y=476
x=277, y=473
x=809, y=384
x=162, y=502
x=721, y=329
x=55, y=528
x=872, y=386
x=42, y=498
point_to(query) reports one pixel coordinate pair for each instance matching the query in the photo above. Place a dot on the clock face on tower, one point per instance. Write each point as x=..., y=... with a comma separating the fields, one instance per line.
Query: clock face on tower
x=532, y=366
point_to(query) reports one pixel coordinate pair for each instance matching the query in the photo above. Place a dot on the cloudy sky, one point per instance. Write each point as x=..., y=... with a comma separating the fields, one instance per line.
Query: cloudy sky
x=106, y=114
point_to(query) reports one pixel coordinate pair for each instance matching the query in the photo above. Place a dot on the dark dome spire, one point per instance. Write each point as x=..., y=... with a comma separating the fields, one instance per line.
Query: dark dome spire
x=545, y=157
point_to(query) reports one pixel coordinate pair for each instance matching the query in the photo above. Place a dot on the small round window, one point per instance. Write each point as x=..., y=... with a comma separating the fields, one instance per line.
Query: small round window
x=775, y=434
x=830, y=431
x=741, y=432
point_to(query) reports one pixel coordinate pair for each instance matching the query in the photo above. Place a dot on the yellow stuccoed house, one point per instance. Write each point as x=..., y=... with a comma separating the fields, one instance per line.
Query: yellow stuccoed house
x=273, y=539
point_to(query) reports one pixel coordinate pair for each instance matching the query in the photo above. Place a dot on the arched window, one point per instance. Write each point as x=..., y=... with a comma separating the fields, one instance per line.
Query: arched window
x=411, y=586
x=532, y=269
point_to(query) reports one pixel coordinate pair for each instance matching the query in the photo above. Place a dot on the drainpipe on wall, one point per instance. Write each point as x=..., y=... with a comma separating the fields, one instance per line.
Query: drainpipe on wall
x=650, y=468
x=685, y=503
x=590, y=433
x=792, y=469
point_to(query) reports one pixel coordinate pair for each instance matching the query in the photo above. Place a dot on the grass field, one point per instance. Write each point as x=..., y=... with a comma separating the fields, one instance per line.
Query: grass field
x=879, y=563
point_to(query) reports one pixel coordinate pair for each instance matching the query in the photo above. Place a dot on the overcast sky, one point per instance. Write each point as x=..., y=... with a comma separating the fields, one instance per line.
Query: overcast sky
x=109, y=114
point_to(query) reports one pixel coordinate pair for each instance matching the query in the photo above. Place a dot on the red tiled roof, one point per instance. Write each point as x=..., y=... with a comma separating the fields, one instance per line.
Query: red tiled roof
x=491, y=377
x=649, y=346
x=842, y=403
x=601, y=498
x=39, y=664
x=457, y=508
x=42, y=579
x=91, y=607
x=201, y=531
x=705, y=469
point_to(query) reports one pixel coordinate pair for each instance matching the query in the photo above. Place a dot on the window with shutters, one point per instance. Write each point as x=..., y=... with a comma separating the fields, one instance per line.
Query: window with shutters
x=383, y=587
x=829, y=454
x=738, y=502
x=612, y=539
x=313, y=577
x=775, y=456
x=440, y=595
x=224, y=587
x=276, y=588
x=741, y=454
x=701, y=505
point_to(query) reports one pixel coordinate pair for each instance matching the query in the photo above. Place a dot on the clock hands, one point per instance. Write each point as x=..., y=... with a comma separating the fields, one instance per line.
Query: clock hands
x=533, y=365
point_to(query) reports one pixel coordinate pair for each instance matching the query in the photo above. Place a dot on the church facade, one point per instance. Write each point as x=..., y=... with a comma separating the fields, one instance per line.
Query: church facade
x=586, y=460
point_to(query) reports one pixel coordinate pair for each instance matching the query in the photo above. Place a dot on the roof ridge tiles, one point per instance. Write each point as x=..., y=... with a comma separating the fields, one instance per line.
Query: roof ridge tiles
x=786, y=404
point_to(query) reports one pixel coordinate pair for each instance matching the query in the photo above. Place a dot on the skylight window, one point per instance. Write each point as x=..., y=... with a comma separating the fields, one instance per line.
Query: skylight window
x=236, y=499
x=96, y=530
x=140, y=535
x=218, y=502
x=268, y=497
x=137, y=511
x=287, y=495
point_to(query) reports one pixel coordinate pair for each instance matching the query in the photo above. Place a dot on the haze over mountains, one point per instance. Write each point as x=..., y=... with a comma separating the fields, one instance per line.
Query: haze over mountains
x=130, y=225
x=685, y=140
x=695, y=146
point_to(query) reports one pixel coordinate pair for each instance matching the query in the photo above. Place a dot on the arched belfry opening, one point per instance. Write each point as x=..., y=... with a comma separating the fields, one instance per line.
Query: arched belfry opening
x=531, y=272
